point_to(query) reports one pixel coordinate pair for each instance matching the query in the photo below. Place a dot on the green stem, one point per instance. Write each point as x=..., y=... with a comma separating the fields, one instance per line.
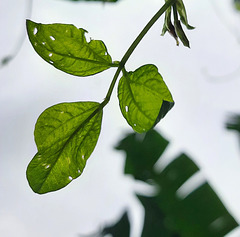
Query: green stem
x=133, y=47
x=175, y=15
x=5, y=60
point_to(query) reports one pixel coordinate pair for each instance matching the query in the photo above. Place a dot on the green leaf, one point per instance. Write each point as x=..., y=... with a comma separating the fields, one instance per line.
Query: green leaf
x=183, y=14
x=142, y=152
x=66, y=48
x=155, y=223
x=66, y=135
x=181, y=34
x=168, y=26
x=119, y=229
x=196, y=212
x=141, y=95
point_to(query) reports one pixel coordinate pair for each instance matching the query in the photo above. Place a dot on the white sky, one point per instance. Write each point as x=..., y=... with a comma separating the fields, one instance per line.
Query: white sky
x=195, y=125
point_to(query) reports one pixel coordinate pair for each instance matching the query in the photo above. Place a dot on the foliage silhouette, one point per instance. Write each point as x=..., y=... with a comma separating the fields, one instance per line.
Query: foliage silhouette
x=236, y=4
x=234, y=123
x=200, y=213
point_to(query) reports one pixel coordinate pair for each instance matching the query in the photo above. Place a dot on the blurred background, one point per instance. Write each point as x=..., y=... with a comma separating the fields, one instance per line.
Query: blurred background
x=203, y=80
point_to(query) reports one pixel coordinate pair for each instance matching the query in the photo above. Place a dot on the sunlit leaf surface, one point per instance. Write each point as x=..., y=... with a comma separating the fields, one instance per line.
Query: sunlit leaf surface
x=66, y=48
x=65, y=137
x=141, y=95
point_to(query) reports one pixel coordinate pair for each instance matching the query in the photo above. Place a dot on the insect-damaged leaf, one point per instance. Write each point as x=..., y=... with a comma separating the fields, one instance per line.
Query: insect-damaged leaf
x=142, y=94
x=65, y=136
x=66, y=48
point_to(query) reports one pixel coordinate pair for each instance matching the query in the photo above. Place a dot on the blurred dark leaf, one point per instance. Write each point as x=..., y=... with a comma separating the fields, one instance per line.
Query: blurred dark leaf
x=234, y=123
x=142, y=152
x=237, y=4
x=154, y=224
x=200, y=213
x=119, y=229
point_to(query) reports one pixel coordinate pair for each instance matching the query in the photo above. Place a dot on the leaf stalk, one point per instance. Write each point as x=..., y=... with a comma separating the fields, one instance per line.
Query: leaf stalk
x=133, y=46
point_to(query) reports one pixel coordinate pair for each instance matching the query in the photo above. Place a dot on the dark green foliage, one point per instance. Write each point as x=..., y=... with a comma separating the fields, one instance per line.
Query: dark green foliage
x=155, y=223
x=234, y=123
x=119, y=229
x=141, y=159
x=200, y=213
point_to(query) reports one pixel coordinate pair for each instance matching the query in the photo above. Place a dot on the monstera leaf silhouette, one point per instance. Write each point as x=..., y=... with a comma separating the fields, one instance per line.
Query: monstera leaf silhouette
x=200, y=213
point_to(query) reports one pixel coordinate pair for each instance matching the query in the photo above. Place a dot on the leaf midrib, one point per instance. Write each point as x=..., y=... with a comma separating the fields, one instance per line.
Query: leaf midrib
x=135, y=102
x=64, y=145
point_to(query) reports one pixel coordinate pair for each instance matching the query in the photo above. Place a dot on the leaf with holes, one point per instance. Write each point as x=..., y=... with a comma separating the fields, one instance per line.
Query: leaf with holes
x=66, y=48
x=66, y=135
x=143, y=97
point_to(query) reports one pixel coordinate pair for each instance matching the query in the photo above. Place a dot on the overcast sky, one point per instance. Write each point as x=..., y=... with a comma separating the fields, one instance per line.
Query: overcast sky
x=204, y=82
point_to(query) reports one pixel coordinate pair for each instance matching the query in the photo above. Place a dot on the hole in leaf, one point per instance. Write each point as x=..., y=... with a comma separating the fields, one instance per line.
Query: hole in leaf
x=79, y=171
x=51, y=37
x=88, y=38
x=51, y=62
x=126, y=108
x=83, y=157
x=35, y=43
x=134, y=124
x=70, y=177
x=50, y=55
x=47, y=166
x=35, y=30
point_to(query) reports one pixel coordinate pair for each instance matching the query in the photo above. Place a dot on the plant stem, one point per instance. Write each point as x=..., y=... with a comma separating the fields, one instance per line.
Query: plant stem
x=5, y=60
x=175, y=15
x=133, y=47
